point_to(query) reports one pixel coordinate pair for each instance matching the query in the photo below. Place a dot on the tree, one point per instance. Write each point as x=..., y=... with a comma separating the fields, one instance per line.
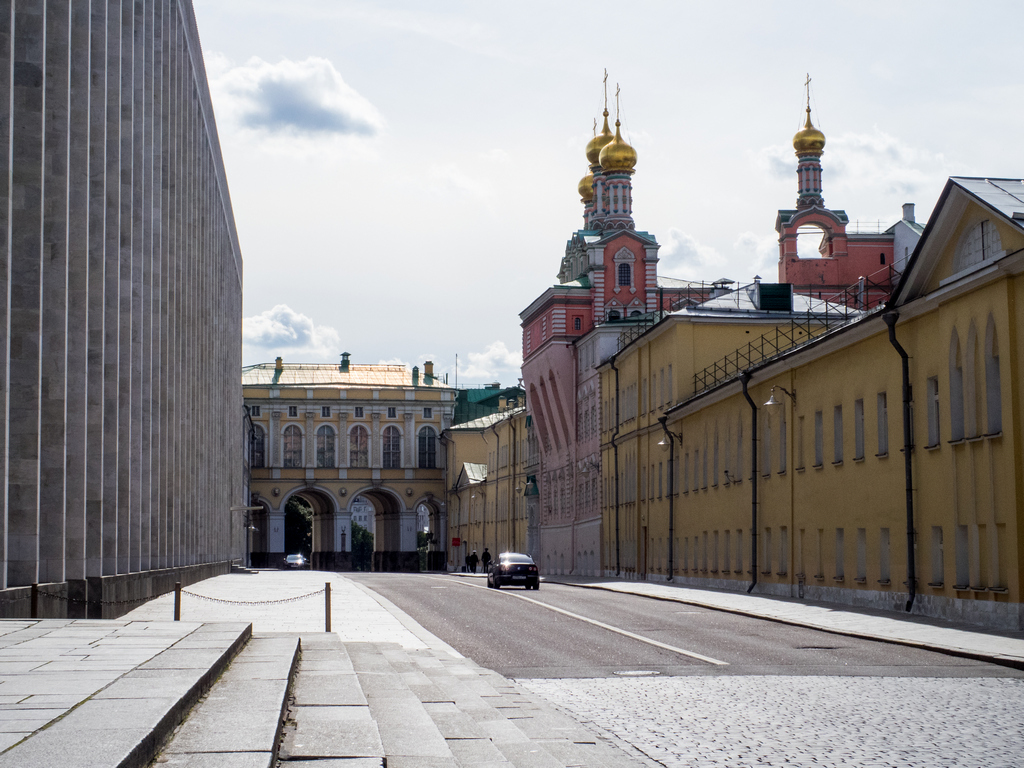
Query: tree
x=298, y=527
x=362, y=548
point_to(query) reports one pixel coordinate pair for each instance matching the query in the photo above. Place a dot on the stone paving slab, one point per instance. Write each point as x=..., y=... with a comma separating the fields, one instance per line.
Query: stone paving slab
x=115, y=703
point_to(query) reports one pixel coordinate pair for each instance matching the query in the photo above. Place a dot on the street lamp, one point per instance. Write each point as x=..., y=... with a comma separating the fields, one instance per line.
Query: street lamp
x=773, y=401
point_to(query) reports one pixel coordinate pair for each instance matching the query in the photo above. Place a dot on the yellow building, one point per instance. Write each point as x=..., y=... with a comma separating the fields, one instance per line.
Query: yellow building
x=878, y=464
x=492, y=490
x=338, y=436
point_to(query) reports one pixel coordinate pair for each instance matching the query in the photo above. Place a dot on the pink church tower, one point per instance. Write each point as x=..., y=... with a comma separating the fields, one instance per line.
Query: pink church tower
x=843, y=258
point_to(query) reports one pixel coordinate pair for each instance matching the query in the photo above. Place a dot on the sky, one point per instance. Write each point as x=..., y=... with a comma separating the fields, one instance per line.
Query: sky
x=403, y=174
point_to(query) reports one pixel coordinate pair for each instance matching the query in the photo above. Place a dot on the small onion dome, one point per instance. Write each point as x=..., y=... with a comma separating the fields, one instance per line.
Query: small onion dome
x=596, y=144
x=586, y=188
x=617, y=156
x=809, y=138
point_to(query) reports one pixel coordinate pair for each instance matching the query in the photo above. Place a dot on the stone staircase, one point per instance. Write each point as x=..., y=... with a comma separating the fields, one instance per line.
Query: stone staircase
x=376, y=705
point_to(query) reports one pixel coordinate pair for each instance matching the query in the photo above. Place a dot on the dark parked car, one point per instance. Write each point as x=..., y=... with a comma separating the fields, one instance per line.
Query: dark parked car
x=513, y=568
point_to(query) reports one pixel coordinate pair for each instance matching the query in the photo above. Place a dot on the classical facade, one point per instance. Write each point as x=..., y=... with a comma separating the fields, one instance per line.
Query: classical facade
x=876, y=463
x=339, y=436
x=120, y=342
x=492, y=486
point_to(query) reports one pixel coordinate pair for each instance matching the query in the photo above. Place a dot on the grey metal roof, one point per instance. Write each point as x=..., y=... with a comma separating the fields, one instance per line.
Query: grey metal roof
x=742, y=301
x=492, y=418
x=1004, y=195
x=475, y=473
x=328, y=375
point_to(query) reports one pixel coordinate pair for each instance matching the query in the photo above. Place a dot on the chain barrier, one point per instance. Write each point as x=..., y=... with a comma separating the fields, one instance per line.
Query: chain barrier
x=77, y=601
x=254, y=602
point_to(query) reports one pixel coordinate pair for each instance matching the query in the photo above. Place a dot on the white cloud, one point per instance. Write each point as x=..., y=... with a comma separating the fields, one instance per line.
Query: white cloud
x=874, y=163
x=282, y=331
x=681, y=256
x=291, y=102
x=450, y=178
x=759, y=254
x=496, y=363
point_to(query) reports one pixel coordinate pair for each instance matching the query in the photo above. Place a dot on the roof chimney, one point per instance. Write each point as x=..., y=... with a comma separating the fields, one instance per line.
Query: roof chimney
x=344, y=362
x=279, y=364
x=908, y=212
x=502, y=404
x=415, y=376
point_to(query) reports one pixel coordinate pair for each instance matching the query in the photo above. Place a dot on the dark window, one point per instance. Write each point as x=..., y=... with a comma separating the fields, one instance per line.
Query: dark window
x=292, y=446
x=577, y=324
x=325, y=446
x=392, y=448
x=325, y=411
x=625, y=275
x=881, y=258
x=391, y=413
x=358, y=447
x=254, y=410
x=293, y=411
x=359, y=411
x=427, y=448
x=257, y=454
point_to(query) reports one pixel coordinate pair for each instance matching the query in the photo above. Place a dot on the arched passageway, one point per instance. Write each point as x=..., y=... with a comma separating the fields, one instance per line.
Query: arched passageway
x=394, y=540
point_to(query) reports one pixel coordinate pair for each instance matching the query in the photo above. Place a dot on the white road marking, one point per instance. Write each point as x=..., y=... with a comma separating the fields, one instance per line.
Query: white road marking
x=609, y=627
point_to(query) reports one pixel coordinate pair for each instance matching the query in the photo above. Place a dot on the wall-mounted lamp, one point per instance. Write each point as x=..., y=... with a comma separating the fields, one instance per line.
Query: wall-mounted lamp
x=773, y=401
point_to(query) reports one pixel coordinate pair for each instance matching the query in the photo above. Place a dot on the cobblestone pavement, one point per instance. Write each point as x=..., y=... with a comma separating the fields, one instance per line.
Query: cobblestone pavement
x=822, y=722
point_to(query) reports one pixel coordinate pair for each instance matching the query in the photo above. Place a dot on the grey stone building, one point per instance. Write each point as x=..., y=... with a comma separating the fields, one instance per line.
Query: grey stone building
x=121, y=448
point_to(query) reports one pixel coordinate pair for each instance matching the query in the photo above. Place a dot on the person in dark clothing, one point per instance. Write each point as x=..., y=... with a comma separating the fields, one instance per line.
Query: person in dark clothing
x=471, y=561
x=485, y=560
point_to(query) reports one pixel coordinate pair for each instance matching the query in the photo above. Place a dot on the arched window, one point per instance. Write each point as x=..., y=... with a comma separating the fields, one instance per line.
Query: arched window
x=325, y=446
x=427, y=448
x=257, y=451
x=613, y=315
x=993, y=391
x=392, y=458
x=358, y=447
x=978, y=244
x=625, y=274
x=292, y=446
x=956, y=389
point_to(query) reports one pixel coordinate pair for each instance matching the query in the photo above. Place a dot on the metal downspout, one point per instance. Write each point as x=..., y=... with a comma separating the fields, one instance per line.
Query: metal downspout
x=663, y=420
x=744, y=378
x=615, y=469
x=890, y=319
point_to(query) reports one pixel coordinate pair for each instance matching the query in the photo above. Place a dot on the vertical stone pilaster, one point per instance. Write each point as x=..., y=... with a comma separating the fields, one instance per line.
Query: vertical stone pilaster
x=343, y=439
x=275, y=430
x=375, y=454
x=6, y=84
x=25, y=311
x=310, y=441
x=408, y=452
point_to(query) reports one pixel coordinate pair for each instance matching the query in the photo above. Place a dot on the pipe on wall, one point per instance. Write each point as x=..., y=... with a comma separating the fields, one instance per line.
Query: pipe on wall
x=663, y=420
x=744, y=379
x=890, y=319
x=615, y=461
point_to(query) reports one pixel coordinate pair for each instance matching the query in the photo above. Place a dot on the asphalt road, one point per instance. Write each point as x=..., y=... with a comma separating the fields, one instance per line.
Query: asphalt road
x=567, y=632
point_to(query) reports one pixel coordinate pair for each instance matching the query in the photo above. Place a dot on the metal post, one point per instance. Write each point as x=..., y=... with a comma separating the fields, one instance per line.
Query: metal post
x=177, y=601
x=34, y=608
x=327, y=605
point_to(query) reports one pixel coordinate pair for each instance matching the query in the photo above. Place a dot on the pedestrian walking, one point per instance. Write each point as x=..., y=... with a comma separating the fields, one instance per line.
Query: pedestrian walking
x=471, y=561
x=485, y=559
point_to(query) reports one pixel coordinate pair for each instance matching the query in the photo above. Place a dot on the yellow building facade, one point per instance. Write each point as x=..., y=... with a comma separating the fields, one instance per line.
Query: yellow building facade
x=492, y=491
x=335, y=434
x=823, y=470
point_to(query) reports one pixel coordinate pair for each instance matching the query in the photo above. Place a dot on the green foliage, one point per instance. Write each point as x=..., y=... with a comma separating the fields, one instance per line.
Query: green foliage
x=422, y=544
x=362, y=548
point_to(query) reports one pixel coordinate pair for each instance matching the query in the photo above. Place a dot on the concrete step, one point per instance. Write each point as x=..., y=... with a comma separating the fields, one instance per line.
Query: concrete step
x=238, y=723
x=114, y=717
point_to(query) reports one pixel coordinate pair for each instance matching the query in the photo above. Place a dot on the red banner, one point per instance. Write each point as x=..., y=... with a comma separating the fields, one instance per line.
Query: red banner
x=456, y=541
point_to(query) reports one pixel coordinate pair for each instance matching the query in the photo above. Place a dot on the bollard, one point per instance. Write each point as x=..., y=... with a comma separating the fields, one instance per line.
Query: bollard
x=327, y=605
x=177, y=601
x=34, y=608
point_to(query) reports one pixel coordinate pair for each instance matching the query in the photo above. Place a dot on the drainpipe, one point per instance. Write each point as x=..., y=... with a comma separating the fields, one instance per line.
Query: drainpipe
x=615, y=469
x=744, y=379
x=663, y=420
x=890, y=319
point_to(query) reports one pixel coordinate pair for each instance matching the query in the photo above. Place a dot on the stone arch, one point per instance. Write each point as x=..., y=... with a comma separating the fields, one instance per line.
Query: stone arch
x=394, y=541
x=324, y=525
x=437, y=529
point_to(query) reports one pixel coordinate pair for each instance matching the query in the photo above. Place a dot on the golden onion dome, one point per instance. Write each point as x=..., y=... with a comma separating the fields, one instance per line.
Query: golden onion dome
x=617, y=155
x=596, y=144
x=586, y=188
x=809, y=138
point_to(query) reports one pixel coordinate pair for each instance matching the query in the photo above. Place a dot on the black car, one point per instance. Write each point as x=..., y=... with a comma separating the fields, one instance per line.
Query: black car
x=513, y=568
